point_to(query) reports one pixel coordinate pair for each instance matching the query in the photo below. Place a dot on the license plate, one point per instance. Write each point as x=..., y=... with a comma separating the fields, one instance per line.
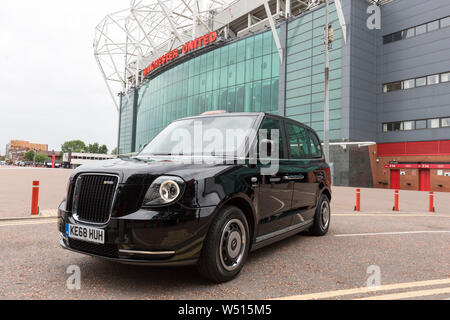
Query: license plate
x=83, y=233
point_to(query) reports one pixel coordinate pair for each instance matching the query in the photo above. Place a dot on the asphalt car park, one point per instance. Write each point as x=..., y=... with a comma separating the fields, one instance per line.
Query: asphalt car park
x=410, y=250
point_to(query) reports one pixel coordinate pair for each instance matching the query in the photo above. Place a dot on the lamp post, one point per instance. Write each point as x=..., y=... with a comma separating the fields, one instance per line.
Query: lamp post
x=326, y=110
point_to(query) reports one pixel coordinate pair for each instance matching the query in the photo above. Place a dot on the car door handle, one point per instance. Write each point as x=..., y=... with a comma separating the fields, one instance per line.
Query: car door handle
x=292, y=178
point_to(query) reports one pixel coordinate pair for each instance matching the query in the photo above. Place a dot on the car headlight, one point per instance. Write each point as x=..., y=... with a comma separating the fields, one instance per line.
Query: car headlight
x=163, y=191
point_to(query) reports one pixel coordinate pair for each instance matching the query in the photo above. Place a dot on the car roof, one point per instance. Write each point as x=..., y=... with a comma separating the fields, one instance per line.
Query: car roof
x=236, y=114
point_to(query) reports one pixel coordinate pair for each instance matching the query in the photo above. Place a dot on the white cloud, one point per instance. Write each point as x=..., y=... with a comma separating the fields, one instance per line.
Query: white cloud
x=51, y=89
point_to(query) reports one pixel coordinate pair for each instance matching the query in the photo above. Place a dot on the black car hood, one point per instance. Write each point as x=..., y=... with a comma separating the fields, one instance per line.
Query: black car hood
x=145, y=170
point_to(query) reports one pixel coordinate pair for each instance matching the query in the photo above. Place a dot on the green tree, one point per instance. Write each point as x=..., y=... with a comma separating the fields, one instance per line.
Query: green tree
x=29, y=156
x=103, y=149
x=94, y=148
x=114, y=152
x=41, y=158
x=73, y=146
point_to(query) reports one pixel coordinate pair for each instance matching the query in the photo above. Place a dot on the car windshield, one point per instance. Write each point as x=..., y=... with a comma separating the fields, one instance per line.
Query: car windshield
x=208, y=136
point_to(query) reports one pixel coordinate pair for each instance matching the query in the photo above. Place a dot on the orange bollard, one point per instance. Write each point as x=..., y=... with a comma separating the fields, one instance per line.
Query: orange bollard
x=431, y=205
x=35, y=199
x=396, y=200
x=358, y=200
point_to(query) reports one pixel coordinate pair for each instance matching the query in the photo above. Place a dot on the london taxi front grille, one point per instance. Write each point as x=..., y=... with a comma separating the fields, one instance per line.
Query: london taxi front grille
x=104, y=250
x=93, y=197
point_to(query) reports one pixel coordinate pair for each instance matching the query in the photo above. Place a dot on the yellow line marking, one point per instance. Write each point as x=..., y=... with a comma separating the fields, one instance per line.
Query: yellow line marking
x=13, y=224
x=410, y=294
x=364, y=290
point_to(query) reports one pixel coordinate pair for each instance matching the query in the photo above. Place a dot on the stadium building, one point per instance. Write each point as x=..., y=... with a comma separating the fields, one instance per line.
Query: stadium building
x=389, y=89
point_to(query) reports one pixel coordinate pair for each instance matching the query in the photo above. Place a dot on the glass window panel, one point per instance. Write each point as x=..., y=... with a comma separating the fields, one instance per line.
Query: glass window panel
x=223, y=99
x=248, y=107
x=209, y=61
x=275, y=88
x=434, y=79
x=267, y=67
x=434, y=25
x=197, y=64
x=209, y=81
x=258, y=45
x=216, y=79
x=265, y=95
x=421, y=29
x=196, y=84
x=445, y=77
x=224, y=77
x=267, y=43
x=217, y=53
x=315, y=145
x=271, y=125
x=249, y=71
x=240, y=73
x=232, y=53
x=397, y=36
x=409, y=33
x=215, y=99
x=202, y=82
x=445, y=122
x=393, y=86
x=408, y=125
x=433, y=123
x=257, y=96
x=275, y=65
x=385, y=127
x=231, y=99
x=249, y=47
x=240, y=99
x=232, y=75
x=240, y=53
x=298, y=141
x=257, y=68
x=387, y=39
x=421, y=124
x=420, y=82
x=445, y=22
x=408, y=84
x=224, y=56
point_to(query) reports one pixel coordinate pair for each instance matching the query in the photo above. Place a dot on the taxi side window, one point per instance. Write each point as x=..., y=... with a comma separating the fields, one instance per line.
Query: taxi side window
x=270, y=125
x=298, y=141
x=316, y=146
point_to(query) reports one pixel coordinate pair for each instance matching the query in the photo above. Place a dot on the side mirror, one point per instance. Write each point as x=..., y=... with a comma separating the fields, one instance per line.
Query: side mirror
x=266, y=145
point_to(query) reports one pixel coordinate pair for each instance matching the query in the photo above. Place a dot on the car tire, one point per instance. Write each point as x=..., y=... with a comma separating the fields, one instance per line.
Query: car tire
x=226, y=246
x=322, y=218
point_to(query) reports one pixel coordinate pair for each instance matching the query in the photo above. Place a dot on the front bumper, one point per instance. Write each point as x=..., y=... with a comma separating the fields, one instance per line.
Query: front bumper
x=153, y=238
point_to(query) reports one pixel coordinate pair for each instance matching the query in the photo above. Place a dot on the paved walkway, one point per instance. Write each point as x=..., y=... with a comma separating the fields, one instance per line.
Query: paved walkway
x=15, y=190
x=15, y=195
x=382, y=201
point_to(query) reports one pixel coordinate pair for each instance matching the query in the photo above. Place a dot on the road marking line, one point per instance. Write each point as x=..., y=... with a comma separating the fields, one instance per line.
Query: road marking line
x=13, y=224
x=389, y=233
x=410, y=294
x=363, y=290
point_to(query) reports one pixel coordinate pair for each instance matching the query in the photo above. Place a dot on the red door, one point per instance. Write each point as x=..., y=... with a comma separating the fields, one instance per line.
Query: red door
x=395, y=179
x=424, y=180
